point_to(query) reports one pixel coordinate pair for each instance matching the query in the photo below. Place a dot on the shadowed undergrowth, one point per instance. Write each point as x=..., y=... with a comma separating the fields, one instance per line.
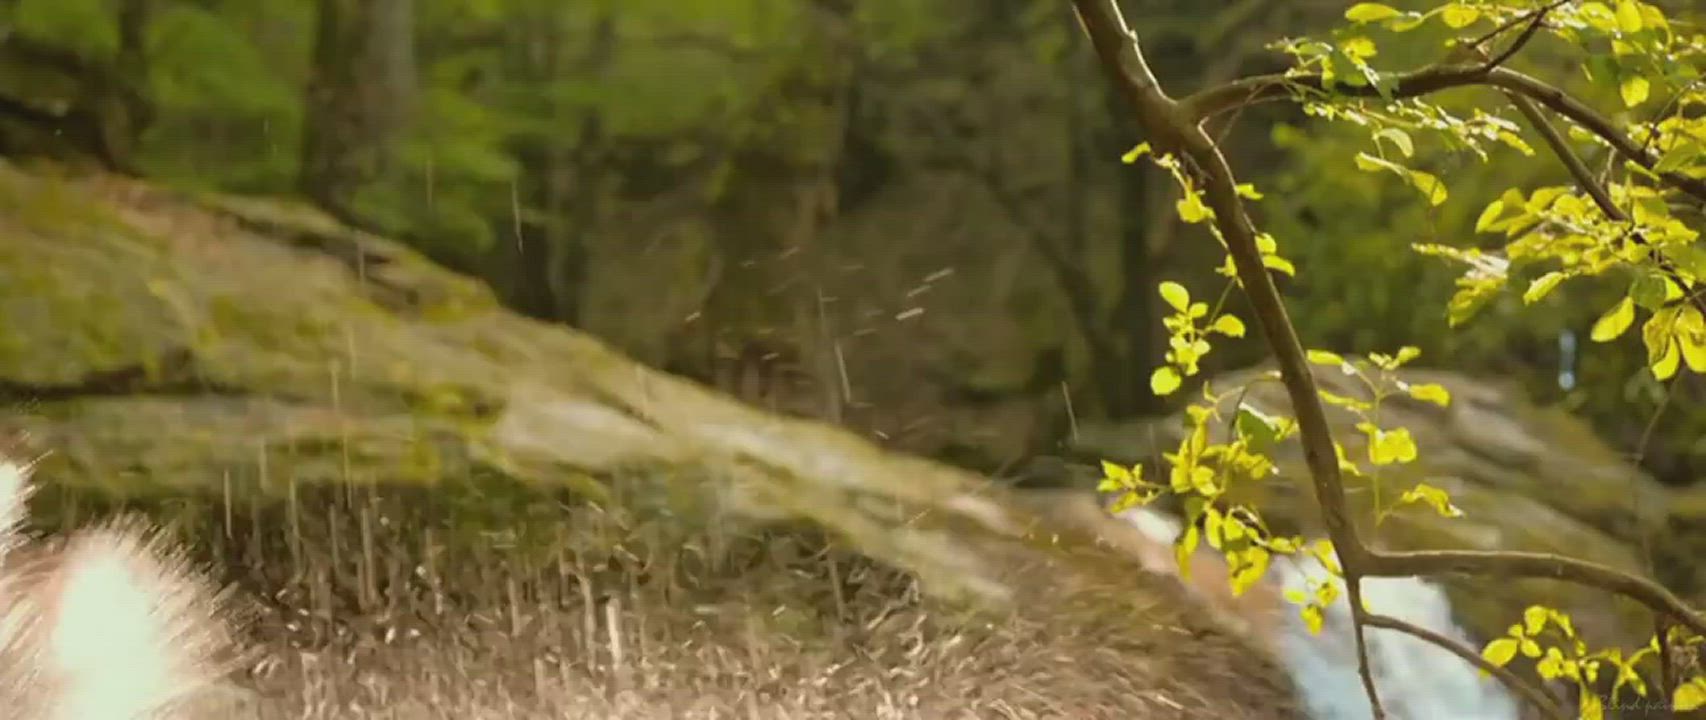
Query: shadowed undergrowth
x=379, y=603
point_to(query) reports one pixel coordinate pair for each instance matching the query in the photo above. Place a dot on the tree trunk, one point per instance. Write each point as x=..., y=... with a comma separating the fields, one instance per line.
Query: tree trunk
x=360, y=92
x=1136, y=324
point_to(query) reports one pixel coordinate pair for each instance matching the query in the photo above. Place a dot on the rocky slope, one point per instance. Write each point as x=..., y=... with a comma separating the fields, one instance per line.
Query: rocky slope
x=231, y=363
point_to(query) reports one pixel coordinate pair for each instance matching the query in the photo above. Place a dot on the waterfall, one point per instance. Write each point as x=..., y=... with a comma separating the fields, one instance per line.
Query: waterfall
x=1415, y=679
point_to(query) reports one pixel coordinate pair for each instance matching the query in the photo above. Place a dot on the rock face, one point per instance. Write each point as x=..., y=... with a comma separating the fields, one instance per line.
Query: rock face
x=164, y=349
x=1526, y=478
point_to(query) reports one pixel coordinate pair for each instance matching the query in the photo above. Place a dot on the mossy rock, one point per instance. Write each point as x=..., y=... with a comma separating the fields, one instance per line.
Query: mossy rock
x=230, y=357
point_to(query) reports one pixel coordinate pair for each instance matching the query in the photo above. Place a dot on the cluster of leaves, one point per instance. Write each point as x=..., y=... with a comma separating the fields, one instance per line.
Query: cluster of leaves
x=1191, y=323
x=1203, y=473
x=1386, y=446
x=1548, y=636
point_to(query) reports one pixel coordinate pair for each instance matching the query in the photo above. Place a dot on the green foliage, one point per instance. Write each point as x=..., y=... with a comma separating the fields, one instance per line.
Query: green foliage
x=83, y=26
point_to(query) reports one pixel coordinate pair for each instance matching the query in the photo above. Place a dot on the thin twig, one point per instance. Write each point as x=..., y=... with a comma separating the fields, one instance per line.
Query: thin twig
x=1539, y=698
x=1534, y=25
x=1513, y=22
x=1266, y=88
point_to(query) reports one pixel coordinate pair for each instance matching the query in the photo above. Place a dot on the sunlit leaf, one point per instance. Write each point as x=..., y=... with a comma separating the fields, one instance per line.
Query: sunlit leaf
x=1614, y=322
x=1253, y=565
x=1458, y=15
x=1431, y=392
x=1432, y=497
x=1681, y=155
x=1370, y=12
x=1668, y=363
x=1228, y=325
x=1176, y=295
x=1534, y=619
x=1501, y=651
x=1388, y=447
x=1541, y=286
x=1635, y=90
x=1191, y=208
x=1184, y=548
x=1488, y=216
x=1690, y=695
x=1165, y=380
x=1430, y=186
x=1398, y=138
x=1278, y=264
x=1322, y=357
x=1629, y=16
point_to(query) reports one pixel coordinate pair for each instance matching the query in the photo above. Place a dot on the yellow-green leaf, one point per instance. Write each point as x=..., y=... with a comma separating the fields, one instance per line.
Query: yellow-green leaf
x=1229, y=325
x=1370, y=12
x=1191, y=208
x=1388, y=447
x=1614, y=322
x=1534, y=619
x=1635, y=90
x=1530, y=648
x=1312, y=617
x=1214, y=525
x=1165, y=380
x=1598, y=16
x=1254, y=565
x=1433, y=497
x=1690, y=695
x=1399, y=138
x=1279, y=264
x=1593, y=707
x=1407, y=22
x=1430, y=186
x=1489, y=216
x=1668, y=363
x=1691, y=338
x=1629, y=16
x=1133, y=154
x=1184, y=548
x=1501, y=651
x=1116, y=473
x=1176, y=295
x=1541, y=286
x=1322, y=357
x=1458, y=15
x=1248, y=192
x=1431, y=392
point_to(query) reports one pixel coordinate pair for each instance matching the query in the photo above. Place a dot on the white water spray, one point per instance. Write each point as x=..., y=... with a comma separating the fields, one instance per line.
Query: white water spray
x=1416, y=679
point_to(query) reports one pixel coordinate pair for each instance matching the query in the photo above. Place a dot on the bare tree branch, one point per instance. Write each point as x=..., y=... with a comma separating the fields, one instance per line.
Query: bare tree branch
x=1534, y=24
x=1539, y=698
x=1511, y=565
